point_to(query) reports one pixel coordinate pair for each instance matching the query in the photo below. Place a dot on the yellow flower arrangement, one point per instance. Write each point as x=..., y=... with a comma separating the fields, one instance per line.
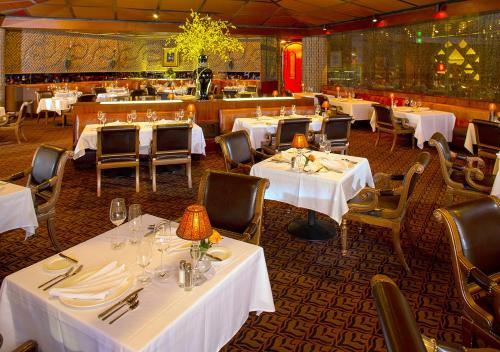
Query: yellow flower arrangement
x=205, y=36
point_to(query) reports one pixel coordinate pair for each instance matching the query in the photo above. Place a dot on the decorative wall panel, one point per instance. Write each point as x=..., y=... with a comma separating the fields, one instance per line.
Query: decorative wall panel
x=314, y=62
x=32, y=51
x=452, y=57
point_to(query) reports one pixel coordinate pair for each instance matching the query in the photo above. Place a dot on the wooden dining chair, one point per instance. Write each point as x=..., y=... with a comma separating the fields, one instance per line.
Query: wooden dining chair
x=45, y=177
x=43, y=94
x=239, y=156
x=385, y=206
x=98, y=90
x=487, y=138
x=171, y=145
x=474, y=235
x=463, y=179
x=117, y=147
x=234, y=203
x=337, y=130
x=282, y=139
x=15, y=123
x=388, y=123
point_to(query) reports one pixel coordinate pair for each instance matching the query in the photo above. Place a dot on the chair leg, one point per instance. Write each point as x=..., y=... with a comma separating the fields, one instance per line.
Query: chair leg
x=16, y=131
x=412, y=141
x=343, y=237
x=22, y=134
x=396, y=242
x=153, y=174
x=467, y=335
x=137, y=178
x=52, y=233
x=98, y=182
x=46, y=118
x=394, y=142
x=378, y=137
x=411, y=234
x=188, y=172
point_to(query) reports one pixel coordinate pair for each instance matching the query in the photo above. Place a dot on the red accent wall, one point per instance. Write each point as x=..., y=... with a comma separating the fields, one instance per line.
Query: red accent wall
x=292, y=67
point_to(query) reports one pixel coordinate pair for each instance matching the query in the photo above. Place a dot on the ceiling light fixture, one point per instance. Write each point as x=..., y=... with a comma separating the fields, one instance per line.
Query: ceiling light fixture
x=440, y=12
x=156, y=15
x=324, y=28
x=374, y=19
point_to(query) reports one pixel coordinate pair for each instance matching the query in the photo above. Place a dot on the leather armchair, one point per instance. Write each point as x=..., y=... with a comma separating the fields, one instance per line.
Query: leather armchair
x=473, y=230
x=45, y=177
x=16, y=123
x=98, y=90
x=487, y=138
x=238, y=152
x=465, y=179
x=117, y=147
x=234, y=203
x=387, y=122
x=386, y=207
x=337, y=130
x=171, y=145
x=87, y=98
x=282, y=139
x=398, y=323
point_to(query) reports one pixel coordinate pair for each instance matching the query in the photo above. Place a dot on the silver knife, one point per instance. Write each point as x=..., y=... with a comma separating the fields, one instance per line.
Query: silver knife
x=131, y=307
x=124, y=300
x=68, y=258
x=64, y=278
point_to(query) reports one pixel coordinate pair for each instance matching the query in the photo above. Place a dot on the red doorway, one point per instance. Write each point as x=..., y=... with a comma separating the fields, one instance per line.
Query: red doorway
x=292, y=67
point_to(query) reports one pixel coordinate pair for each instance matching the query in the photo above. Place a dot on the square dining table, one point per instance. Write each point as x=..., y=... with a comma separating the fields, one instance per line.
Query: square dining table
x=257, y=128
x=325, y=191
x=358, y=109
x=168, y=318
x=17, y=209
x=88, y=138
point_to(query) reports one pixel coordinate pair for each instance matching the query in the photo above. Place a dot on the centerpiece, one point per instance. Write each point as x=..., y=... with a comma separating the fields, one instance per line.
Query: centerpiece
x=203, y=36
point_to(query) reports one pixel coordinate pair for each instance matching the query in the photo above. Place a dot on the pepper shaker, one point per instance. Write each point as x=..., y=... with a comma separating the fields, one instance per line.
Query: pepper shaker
x=188, y=286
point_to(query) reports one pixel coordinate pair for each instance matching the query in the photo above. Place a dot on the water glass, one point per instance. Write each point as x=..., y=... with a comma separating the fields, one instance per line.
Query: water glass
x=135, y=222
x=258, y=111
x=143, y=258
x=294, y=110
x=181, y=114
x=130, y=119
x=117, y=215
x=149, y=113
x=154, y=116
x=282, y=111
x=134, y=115
x=317, y=110
x=162, y=240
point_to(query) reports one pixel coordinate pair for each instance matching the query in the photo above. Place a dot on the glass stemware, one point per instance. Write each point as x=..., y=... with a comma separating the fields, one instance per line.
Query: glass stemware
x=130, y=119
x=195, y=252
x=162, y=241
x=134, y=222
x=294, y=110
x=143, y=258
x=154, y=116
x=258, y=111
x=149, y=114
x=117, y=215
x=317, y=109
x=282, y=112
x=181, y=114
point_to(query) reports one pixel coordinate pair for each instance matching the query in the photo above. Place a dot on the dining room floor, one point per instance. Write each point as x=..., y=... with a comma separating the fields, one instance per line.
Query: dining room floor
x=323, y=300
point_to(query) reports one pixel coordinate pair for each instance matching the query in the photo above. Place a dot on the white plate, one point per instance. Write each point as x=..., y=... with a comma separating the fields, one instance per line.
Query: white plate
x=57, y=264
x=89, y=303
x=219, y=252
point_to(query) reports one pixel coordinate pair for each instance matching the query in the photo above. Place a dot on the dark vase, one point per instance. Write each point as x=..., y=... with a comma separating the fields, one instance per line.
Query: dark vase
x=203, y=78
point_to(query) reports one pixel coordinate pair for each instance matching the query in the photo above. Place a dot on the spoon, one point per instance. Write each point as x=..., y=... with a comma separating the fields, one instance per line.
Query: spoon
x=129, y=301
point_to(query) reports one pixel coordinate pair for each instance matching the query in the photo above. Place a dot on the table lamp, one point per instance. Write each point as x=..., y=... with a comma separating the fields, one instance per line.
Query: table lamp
x=300, y=142
x=325, y=105
x=493, y=112
x=170, y=96
x=275, y=93
x=195, y=226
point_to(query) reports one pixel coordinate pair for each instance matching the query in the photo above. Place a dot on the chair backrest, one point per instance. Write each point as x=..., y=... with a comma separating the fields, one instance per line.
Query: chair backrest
x=171, y=139
x=383, y=115
x=121, y=98
x=230, y=93
x=87, y=98
x=337, y=129
x=236, y=148
x=137, y=93
x=45, y=164
x=487, y=134
x=191, y=91
x=21, y=114
x=41, y=94
x=474, y=233
x=287, y=128
x=151, y=90
x=148, y=97
x=321, y=98
x=439, y=142
x=116, y=141
x=396, y=318
x=408, y=185
x=98, y=90
x=232, y=200
x=251, y=89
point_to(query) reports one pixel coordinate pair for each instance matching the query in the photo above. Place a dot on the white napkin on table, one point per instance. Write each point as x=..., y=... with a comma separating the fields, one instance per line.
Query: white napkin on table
x=334, y=165
x=97, y=285
x=313, y=166
x=115, y=123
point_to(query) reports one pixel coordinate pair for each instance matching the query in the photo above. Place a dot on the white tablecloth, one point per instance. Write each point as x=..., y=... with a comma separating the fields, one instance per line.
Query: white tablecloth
x=2, y=111
x=359, y=109
x=67, y=94
x=495, y=191
x=88, y=138
x=109, y=96
x=326, y=193
x=426, y=123
x=470, y=138
x=55, y=104
x=167, y=319
x=16, y=209
x=257, y=128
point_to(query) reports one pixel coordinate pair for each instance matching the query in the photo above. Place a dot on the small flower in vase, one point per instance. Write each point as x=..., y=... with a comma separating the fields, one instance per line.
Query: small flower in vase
x=214, y=238
x=309, y=158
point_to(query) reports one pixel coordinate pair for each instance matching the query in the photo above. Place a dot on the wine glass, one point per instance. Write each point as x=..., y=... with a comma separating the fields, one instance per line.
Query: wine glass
x=117, y=215
x=162, y=241
x=149, y=114
x=154, y=116
x=134, y=115
x=181, y=114
x=294, y=110
x=282, y=112
x=195, y=253
x=143, y=258
x=99, y=116
x=322, y=142
x=317, y=110
x=130, y=118
x=134, y=222
x=328, y=148
x=258, y=111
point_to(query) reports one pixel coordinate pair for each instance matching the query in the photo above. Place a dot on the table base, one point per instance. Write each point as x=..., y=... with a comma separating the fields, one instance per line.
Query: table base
x=312, y=229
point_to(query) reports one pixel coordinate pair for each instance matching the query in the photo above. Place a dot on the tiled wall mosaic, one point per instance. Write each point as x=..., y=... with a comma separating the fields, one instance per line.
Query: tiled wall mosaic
x=34, y=51
x=452, y=57
x=314, y=62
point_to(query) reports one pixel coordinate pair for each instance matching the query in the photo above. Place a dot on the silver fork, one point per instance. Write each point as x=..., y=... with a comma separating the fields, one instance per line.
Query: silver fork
x=57, y=277
x=131, y=307
x=64, y=278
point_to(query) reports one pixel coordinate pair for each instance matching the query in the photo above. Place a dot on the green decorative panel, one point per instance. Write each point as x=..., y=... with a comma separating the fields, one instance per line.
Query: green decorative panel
x=452, y=57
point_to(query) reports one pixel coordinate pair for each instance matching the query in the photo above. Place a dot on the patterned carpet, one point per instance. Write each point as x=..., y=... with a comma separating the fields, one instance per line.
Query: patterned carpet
x=323, y=300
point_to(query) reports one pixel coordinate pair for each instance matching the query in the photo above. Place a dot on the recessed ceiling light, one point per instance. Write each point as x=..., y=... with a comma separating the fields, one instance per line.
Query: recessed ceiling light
x=324, y=27
x=374, y=19
x=156, y=16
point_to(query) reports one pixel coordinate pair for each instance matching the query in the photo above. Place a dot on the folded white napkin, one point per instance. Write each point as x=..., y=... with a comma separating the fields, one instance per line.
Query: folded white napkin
x=284, y=156
x=115, y=123
x=313, y=166
x=334, y=165
x=96, y=286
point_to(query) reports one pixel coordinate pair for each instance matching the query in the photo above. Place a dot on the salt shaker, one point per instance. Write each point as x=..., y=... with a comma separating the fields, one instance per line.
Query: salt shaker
x=182, y=273
x=188, y=285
